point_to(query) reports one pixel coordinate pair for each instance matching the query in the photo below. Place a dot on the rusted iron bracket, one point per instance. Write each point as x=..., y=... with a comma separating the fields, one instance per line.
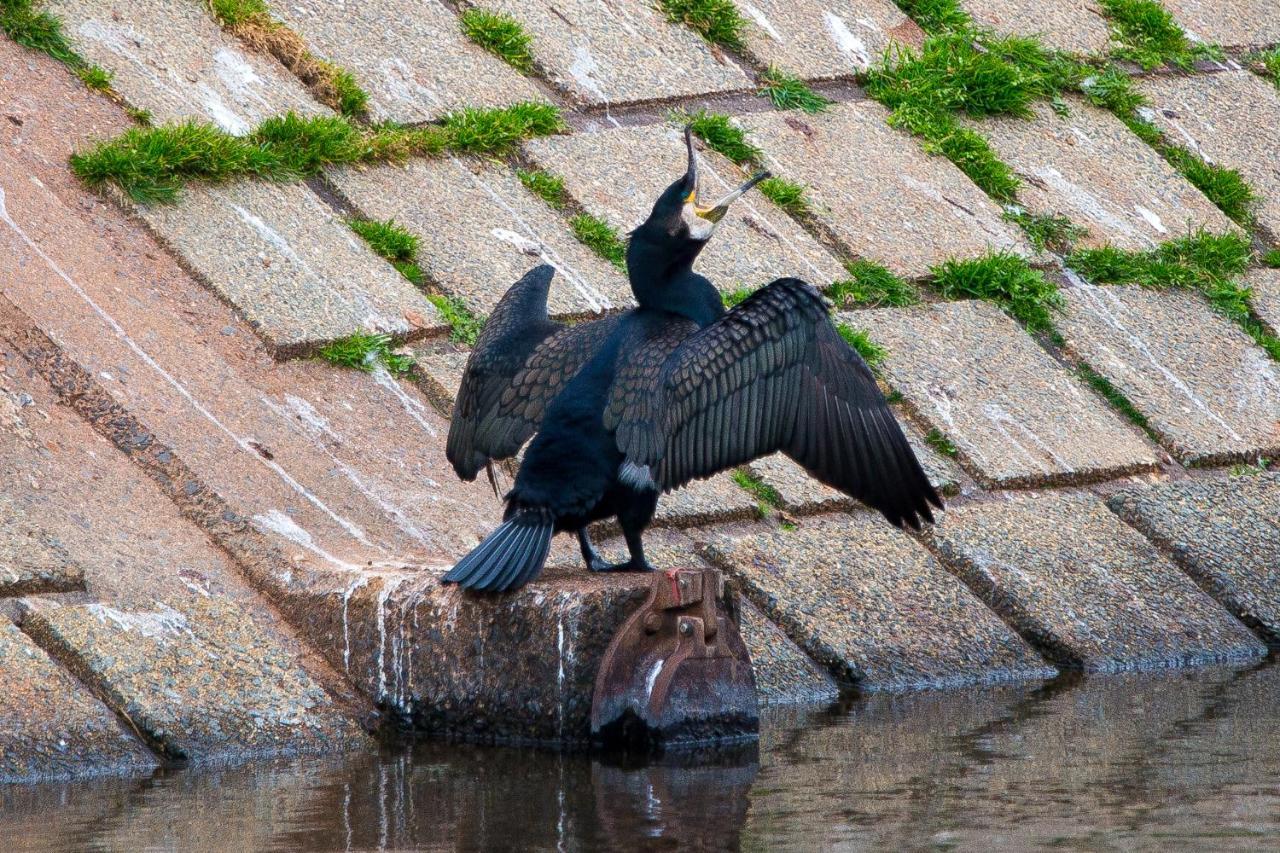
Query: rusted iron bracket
x=677, y=672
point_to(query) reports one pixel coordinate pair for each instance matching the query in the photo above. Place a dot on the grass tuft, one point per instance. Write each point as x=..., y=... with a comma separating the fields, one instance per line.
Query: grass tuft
x=1046, y=231
x=941, y=444
x=734, y=298
x=872, y=353
x=767, y=497
x=501, y=35
x=790, y=93
x=600, y=237
x=548, y=187
x=1268, y=64
x=464, y=326
x=1118, y=401
x=1258, y=467
x=1143, y=32
x=871, y=285
x=151, y=164
x=42, y=32
x=363, y=351
x=717, y=21
x=1271, y=258
x=937, y=16
x=1005, y=279
x=1226, y=188
x=395, y=244
x=787, y=195
x=720, y=134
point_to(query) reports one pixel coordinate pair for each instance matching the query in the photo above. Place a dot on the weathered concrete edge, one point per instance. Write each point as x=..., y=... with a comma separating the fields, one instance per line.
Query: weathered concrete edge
x=250, y=551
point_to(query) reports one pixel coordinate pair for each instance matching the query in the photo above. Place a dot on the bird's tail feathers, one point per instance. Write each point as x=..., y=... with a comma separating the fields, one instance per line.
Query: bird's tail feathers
x=509, y=557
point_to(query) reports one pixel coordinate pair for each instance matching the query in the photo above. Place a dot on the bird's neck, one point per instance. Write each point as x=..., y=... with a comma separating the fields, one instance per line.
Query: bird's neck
x=663, y=280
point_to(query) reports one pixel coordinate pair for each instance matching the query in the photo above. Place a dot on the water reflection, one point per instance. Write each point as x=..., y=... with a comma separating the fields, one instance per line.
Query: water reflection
x=1181, y=760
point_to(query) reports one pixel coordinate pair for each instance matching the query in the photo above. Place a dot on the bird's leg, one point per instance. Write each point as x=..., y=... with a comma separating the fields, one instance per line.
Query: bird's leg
x=635, y=546
x=633, y=518
x=590, y=555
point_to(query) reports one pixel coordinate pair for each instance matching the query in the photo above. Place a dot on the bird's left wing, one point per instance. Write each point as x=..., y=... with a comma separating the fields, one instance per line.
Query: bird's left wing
x=772, y=374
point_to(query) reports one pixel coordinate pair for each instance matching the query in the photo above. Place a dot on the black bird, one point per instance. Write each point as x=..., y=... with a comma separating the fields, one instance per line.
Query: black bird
x=629, y=406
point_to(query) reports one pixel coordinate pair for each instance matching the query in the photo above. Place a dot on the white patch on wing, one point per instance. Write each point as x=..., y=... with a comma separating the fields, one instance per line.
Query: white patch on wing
x=637, y=476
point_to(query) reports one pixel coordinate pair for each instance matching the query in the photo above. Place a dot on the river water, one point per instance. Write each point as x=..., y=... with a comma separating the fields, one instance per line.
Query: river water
x=1165, y=761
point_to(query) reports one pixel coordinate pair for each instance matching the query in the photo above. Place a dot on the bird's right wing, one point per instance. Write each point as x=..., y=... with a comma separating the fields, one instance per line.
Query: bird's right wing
x=520, y=363
x=772, y=374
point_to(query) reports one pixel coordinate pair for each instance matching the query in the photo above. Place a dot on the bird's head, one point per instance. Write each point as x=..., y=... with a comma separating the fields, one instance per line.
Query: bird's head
x=679, y=213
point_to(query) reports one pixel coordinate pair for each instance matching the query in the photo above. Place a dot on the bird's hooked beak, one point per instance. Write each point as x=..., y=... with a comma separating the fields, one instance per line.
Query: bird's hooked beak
x=713, y=212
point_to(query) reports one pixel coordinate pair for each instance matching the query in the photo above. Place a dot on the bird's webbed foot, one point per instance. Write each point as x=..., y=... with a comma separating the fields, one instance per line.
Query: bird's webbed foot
x=629, y=566
x=590, y=555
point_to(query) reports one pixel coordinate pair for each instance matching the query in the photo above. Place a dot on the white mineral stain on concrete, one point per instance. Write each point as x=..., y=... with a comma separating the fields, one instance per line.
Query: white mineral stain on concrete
x=413, y=407
x=1089, y=204
x=163, y=624
x=845, y=40
x=586, y=72
x=1007, y=425
x=279, y=523
x=762, y=21
x=1152, y=218
x=360, y=580
x=402, y=84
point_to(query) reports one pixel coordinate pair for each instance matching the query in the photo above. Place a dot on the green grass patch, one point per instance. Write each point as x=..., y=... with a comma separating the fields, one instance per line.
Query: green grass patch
x=600, y=237
x=1118, y=401
x=393, y=243
x=464, y=326
x=767, y=498
x=548, y=187
x=1113, y=90
x=790, y=93
x=1143, y=32
x=41, y=31
x=350, y=99
x=787, y=195
x=1005, y=279
x=1259, y=467
x=1268, y=63
x=941, y=443
x=720, y=134
x=1226, y=188
x=232, y=13
x=152, y=164
x=937, y=16
x=717, y=21
x=365, y=352
x=1271, y=258
x=871, y=285
x=1046, y=231
x=501, y=35
x=736, y=297
x=872, y=353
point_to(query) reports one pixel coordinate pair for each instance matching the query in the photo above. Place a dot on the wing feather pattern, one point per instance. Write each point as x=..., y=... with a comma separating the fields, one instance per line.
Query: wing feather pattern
x=520, y=363
x=772, y=374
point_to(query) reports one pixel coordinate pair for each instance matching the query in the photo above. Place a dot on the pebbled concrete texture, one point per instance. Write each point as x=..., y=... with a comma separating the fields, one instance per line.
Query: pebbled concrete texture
x=53, y=727
x=31, y=560
x=816, y=39
x=1225, y=533
x=202, y=682
x=617, y=174
x=892, y=202
x=1265, y=284
x=1084, y=587
x=1076, y=26
x=1015, y=415
x=784, y=674
x=411, y=58
x=170, y=58
x=295, y=271
x=1088, y=167
x=1209, y=392
x=1228, y=119
x=601, y=53
x=870, y=604
x=480, y=230
x=1227, y=22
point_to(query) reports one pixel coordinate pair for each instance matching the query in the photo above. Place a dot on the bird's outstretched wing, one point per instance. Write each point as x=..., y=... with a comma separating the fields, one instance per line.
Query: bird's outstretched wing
x=772, y=374
x=520, y=362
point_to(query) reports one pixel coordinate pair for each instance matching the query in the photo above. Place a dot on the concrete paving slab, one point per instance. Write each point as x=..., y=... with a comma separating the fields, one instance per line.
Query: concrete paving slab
x=1015, y=415
x=815, y=39
x=601, y=53
x=1228, y=22
x=1229, y=119
x=783, y=672
x=1076, y=26
x=1224, y=533
x=480, y=230
x=1086, y=588
x=1210, y=393
x=169, y=57
x=618, y=174
x=892, y=202
x=411, y=58
x=31, y=560
x=53, y=727
x=1089, y=167
x=295, y=271
x=202, y=682
x=1266, y=296
x=869, y=603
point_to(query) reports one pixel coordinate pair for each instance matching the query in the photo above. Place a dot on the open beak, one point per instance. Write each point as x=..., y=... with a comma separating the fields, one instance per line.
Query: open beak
x=714, y=212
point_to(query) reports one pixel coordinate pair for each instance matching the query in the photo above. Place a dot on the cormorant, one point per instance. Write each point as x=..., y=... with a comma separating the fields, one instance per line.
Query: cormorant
x=678, y=388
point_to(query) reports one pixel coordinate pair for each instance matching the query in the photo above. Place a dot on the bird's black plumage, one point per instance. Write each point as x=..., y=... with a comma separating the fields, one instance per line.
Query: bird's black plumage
x=673, y=390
